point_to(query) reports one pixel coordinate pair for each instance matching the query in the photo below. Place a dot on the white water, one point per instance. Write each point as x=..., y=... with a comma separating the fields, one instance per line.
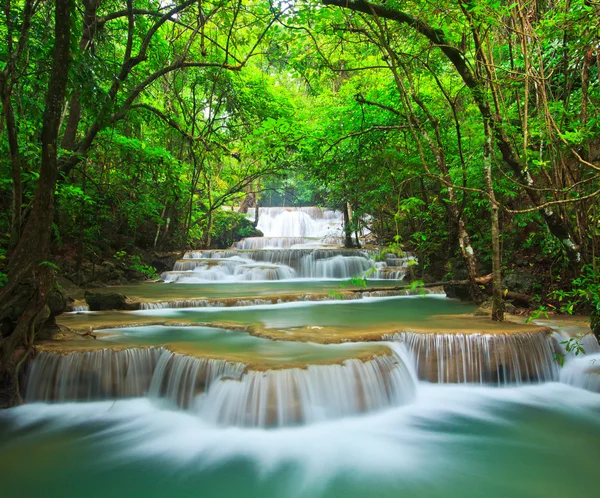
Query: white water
x=300, y=222
x=299, y=243
x=257, y=243
x=316, y=393
x=453, y=441
x=108, y=374
x=223, y=392
x=482, y=358
x=582, y=371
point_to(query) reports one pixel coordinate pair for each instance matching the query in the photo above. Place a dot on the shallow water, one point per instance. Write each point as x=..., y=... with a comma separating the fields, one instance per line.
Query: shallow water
x=233, y=343
x=454, y=441
x=235, y=289
x=367, y=313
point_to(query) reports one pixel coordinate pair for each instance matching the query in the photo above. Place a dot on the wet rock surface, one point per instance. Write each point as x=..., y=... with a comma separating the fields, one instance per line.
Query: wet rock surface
x=103, y=301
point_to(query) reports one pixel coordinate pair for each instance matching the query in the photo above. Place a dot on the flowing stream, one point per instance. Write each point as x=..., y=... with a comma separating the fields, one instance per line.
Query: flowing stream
x=369, y=397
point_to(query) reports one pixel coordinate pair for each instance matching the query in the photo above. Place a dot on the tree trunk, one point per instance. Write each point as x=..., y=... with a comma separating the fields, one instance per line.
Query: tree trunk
x=209, y=225
x=24, y=299
x=87, y=35
x=497, y=305
x=15, y=169
x=347, y=229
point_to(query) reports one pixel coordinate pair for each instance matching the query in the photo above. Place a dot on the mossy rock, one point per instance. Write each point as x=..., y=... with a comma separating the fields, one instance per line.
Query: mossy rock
x=104, y=301
x=521, y=282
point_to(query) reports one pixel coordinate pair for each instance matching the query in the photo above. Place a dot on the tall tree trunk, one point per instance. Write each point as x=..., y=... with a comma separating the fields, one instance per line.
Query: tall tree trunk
x=24, y=299
x=87, y=36
x=497, y=304
x=209, y=226
x=347, y=229
x=15, y=169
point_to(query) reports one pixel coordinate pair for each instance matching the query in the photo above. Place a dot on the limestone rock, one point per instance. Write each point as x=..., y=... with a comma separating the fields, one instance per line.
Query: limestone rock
x=521, y=282
x=103, y=301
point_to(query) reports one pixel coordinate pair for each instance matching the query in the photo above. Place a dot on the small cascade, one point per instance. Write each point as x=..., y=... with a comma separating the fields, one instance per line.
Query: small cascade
x=482, y=358
x=338, y=267
x=274, y=264
x=393, y=267
x=108, y=374
x=404, y=292
x=318, y=392
x=582, y=371
x=181, y=378
x=257, y=243
x=233, y=303
x=588, y=342
x=93, y=375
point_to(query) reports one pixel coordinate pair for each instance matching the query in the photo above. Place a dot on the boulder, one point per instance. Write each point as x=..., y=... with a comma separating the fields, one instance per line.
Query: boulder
x=165, y=261
x=103, y=301
x=460, y=291
x=521, y=282
x=58, y=301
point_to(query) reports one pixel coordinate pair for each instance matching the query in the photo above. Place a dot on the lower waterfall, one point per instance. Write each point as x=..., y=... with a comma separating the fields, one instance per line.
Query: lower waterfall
x=318, y=392
x=229, y=394
x=221, y=391
x=108, y=374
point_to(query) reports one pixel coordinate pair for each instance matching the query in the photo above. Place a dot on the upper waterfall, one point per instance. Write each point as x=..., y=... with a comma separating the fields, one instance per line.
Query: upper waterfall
x=310, y=222
x=299, y=243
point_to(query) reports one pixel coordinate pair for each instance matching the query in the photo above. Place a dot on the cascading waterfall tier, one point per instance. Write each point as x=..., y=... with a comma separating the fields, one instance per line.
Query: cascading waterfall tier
x=283, y=264
x=224, y=392
x=582, y=369
x=299, y=243
x=307, y=395
x=230, y=394
x=482, y=358
x=257, y=243
x=311, y=222
x=108, y=374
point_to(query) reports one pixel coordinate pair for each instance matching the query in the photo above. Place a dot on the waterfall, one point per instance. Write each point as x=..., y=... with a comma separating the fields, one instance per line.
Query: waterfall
x=181, y=378
x=257, y=243
x=482, y=358
x=108, y=374
x=582, y=371
x=223, y=392
x=299, y=243
x=271, y=264
x=299, y=222
x=312, y=266
x=228, y=393
x=234, y=303
x=91, y=375
x=318, y=392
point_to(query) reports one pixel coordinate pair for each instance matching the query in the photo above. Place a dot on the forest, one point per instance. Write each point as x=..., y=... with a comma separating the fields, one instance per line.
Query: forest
x=462, y=138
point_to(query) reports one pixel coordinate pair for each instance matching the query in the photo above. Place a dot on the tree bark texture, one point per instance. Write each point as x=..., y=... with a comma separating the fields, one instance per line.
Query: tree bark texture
x=24, y=305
